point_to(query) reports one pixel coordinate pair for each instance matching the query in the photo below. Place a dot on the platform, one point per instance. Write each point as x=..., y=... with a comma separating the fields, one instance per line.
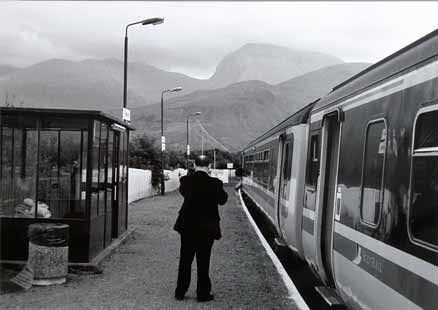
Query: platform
x=141, y=274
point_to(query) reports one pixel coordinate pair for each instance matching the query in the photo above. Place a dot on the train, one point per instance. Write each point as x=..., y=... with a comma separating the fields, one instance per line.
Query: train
x=350, y=182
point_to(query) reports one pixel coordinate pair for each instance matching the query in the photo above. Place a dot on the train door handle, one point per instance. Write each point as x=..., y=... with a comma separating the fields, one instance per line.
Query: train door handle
x=338, y=205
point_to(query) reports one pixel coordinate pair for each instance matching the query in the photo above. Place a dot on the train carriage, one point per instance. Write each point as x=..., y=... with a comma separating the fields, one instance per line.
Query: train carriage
x=276, y=167
x=368, y=217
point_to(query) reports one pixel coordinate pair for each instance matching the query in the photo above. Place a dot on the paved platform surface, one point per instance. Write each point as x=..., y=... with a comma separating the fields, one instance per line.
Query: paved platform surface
x=141, y=274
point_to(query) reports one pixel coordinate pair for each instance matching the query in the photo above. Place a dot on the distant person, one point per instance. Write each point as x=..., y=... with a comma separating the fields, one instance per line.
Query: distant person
x=240, y=172
x=198, y=225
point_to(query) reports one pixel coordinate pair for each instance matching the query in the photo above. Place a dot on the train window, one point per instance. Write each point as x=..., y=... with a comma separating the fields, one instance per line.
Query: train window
x=287, y=167
x=423, y=211
x=288, y=160
x=426, y=131
x=313, y=162
x=372, y=172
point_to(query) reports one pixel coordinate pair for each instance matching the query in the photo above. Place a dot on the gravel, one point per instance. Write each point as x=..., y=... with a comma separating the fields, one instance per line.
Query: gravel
x=141, y=273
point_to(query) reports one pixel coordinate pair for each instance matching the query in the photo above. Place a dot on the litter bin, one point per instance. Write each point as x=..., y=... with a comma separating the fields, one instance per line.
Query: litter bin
x=48, y=253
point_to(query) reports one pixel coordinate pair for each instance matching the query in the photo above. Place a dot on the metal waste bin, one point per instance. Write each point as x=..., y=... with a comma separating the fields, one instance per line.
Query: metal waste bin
x=48, y=253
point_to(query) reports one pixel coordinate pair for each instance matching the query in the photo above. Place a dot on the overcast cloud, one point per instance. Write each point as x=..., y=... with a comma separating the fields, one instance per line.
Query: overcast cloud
x=196, y=35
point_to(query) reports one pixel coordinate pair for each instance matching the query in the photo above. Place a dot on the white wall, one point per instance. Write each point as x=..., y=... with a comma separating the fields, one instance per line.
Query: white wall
x=139, y=184
x=140, y=181
x=172, y=177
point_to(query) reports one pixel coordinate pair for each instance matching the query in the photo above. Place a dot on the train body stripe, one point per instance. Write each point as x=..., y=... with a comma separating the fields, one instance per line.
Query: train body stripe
x=411, y=263
x=415, y=77
x=409, y=284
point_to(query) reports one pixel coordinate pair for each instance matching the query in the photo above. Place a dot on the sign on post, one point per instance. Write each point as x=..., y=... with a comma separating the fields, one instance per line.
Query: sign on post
x=229, y=165
x=126, y=115
x=163, y=143
x=188, y=150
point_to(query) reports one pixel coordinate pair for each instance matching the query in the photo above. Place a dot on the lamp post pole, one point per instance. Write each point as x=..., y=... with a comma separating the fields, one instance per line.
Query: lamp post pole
x=163, y=146
x=187, y=144
x=150, y=21
x=163, y=139
x=125, y=67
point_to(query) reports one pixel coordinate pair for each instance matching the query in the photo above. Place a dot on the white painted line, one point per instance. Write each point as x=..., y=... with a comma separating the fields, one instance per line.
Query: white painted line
x=293, y=292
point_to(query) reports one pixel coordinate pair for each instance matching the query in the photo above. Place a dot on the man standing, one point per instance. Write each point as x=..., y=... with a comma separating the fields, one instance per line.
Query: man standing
x=198, y=224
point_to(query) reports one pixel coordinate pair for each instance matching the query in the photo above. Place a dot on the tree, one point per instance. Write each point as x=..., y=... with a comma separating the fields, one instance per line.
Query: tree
x=175, y=159
x=143, y=154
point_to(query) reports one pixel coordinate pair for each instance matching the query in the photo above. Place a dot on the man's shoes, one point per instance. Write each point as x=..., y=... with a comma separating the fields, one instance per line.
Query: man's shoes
x=205, y=298
x=179, y=297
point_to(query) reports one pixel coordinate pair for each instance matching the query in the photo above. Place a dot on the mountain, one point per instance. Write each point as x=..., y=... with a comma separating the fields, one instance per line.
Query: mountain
x=234, y=115
x=98, y=84
x=269, y=63
x=89, y=84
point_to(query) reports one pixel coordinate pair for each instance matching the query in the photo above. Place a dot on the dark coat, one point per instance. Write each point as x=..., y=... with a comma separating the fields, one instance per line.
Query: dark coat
x=199, y=213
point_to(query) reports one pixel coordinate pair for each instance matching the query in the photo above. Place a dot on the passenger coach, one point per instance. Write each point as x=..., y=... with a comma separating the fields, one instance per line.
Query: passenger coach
x=351, y=182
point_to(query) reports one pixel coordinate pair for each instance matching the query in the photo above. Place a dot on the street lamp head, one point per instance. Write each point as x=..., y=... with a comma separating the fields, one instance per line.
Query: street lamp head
x=154, y=21
x=198, y=113
x=176, y=89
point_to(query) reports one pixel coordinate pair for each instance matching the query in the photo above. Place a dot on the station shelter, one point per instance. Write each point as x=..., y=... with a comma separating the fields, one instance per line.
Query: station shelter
x=62, y=166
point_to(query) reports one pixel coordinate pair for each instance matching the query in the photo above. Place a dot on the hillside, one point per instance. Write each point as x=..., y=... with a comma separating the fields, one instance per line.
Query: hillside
x=241, y=105
x=90, y=84
x=312, y=85
x=238, y=113
x=5, y=69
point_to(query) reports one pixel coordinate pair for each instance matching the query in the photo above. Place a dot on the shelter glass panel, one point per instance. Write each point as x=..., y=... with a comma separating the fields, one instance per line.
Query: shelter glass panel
x=103, y=164
x=18, y=149
x=94, y=207
x=62, y=171
x=109, y=177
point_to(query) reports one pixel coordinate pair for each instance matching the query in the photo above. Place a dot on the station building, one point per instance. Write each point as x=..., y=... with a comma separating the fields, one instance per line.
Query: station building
x=62, y=166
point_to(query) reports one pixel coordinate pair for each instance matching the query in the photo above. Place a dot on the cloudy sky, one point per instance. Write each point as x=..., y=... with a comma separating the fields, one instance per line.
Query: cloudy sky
x=197, y=35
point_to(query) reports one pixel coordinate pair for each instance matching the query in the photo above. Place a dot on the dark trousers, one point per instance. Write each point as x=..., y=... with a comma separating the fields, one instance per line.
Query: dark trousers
x=200, y=246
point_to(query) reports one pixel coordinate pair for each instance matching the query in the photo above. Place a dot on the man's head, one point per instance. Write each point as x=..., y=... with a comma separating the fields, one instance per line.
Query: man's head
x=202, y=162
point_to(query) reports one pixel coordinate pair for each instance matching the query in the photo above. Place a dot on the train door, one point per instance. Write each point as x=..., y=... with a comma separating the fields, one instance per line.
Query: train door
x=308, y=220
x=326, y=208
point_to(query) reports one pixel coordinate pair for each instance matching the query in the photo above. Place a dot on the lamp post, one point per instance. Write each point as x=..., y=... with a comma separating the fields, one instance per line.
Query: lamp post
x=150, y=21
x=187, y=144
x=163, y=139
